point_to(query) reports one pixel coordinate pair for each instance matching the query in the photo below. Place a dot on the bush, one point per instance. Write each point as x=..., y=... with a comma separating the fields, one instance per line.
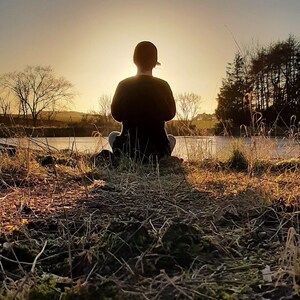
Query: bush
x=237, y=161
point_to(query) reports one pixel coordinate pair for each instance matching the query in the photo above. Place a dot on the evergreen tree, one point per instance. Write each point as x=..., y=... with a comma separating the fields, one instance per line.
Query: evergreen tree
x=275, y=74
x=233, y=106
x=272, y=77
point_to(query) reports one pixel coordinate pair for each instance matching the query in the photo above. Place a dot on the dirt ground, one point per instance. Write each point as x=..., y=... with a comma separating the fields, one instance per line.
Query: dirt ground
x=180, y=231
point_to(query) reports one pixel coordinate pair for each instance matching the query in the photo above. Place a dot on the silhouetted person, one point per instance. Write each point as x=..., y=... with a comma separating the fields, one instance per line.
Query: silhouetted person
x=143, y=104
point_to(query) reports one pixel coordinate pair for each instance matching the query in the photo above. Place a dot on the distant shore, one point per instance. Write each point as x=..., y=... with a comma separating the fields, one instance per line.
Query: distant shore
x=90, y=130
x=76, y=131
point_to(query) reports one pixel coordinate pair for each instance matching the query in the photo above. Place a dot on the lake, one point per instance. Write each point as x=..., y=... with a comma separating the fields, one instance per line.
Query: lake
x=189, y=147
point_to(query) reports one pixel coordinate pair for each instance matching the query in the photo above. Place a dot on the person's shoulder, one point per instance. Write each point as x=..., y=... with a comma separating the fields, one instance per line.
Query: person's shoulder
x=161, y=82
x=127, y=80
x=133, y=80
x=151, y=80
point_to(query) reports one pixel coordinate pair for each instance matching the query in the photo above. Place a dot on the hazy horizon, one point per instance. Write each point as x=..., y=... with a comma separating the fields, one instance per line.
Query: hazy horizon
x=91, y=42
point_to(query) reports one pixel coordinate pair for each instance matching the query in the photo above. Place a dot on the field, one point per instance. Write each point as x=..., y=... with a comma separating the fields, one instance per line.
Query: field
x=75, y=117
x=66, y=116
x=204, y=124
x=78, y=227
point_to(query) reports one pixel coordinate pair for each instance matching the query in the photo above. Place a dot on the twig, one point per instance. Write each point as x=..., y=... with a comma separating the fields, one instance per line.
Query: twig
x=6, y=277
x=37, y=257
x=89, y=275
x=15, y=261
x=123, y=262
x=132, y=293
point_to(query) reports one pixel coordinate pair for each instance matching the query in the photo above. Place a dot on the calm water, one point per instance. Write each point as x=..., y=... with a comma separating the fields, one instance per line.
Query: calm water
x=186, y=147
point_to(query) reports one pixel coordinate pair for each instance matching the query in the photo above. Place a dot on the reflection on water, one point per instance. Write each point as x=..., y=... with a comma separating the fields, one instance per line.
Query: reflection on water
x=186, y=147
x=220, y=146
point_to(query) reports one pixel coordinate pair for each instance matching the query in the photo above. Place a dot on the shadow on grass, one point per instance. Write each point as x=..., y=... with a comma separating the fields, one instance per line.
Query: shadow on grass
x=147, y=233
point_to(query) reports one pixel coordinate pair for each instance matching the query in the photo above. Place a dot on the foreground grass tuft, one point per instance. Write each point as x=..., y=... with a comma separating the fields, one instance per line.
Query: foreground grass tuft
x=237, y=160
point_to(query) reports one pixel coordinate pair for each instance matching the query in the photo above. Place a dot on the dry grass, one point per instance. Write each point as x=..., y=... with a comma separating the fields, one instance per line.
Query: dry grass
x=192, y=230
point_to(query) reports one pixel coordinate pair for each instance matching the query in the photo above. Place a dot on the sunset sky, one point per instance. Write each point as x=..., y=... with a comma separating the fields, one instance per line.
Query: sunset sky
x=90, y=42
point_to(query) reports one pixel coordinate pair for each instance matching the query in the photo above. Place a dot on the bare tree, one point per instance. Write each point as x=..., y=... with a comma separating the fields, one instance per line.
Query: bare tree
x=104, y=106
x=37, y=89
x=5, y=104
x=188, y=107
x=4, y=107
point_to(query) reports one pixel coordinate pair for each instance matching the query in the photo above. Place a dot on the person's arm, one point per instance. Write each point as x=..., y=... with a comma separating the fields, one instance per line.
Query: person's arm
x=116, y=105
x=170, y=110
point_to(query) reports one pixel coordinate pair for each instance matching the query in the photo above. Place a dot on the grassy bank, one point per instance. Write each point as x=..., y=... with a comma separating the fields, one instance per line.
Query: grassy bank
x=86, y=130
x=74, y=227
x=71, y=123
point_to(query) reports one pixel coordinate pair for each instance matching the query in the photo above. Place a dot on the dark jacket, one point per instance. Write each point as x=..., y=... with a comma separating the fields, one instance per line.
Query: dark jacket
x=143, y=104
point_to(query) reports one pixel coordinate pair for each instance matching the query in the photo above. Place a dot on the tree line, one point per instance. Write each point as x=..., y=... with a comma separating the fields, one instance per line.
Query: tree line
x=32, y=91
x=263, y=84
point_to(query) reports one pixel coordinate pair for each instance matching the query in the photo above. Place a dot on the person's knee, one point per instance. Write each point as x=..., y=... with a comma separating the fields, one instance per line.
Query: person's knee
x=172, y=141
x=112, y=137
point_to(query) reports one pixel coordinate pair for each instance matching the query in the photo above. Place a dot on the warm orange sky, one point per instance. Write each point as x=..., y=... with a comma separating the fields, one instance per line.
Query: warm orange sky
x=90, y=42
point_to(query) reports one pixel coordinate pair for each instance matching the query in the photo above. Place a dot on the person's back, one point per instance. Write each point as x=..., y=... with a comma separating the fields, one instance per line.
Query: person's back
x=143, y=104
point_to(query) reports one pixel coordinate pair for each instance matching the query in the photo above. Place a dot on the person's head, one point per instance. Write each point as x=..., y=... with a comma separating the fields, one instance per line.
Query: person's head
x=145, y=56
